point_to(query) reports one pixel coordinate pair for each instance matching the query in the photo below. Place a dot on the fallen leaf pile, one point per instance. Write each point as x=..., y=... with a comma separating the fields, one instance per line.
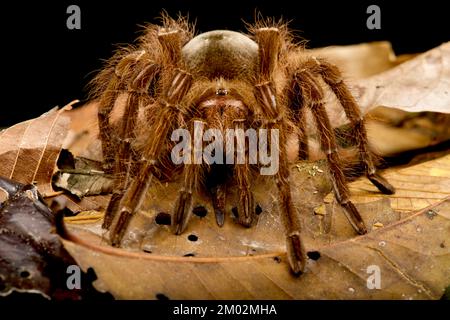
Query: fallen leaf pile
x=207, y=262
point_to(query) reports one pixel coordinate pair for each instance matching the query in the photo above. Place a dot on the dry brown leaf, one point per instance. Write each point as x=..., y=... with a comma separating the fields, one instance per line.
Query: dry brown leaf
x=81, y=177
x=238, y=263
x=82, y=184
x=98, y=202
x=425, y=78
x=360, y=60
x=417, y=187
x=405, y=85
x=29, y=150
x=82, y=139
x=412, y=83
x=420, y=84
x=415, y=131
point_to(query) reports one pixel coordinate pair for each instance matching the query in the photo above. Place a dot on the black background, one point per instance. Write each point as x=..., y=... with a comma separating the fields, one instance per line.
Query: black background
x=293, y=309
x=44, y=64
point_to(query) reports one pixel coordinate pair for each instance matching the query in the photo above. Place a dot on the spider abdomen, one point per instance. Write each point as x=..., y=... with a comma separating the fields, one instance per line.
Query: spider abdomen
x=221, y=54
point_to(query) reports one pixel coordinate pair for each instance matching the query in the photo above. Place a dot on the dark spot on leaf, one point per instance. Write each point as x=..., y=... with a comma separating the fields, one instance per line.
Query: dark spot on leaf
x=277, y=259
x=163, y=218
x=162, y=296
x=189, y=255
x=200, y=211
x=258, y=209
x=442, y=245
x=313, y=255
x=192, y=237
x=25, y=274
x=147, y=251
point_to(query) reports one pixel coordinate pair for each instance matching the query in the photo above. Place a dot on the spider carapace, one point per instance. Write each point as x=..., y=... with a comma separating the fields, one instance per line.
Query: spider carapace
x=226, y=80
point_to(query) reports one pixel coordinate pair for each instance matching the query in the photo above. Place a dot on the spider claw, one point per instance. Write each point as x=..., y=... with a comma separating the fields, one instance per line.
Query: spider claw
x=246, y=209
x=219, y=200
x=182, y=211
x=296, y=254
x=118, y=232
x=111, y=210
x=220, y=217
x=381, y=183
x=354, y=217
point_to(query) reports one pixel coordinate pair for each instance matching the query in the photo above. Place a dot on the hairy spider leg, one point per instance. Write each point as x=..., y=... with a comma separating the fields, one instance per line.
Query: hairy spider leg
x=168, y=110
x=269, y=42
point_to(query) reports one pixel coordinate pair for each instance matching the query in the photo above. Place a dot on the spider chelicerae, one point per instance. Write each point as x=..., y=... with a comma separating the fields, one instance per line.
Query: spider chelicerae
x=226, y=80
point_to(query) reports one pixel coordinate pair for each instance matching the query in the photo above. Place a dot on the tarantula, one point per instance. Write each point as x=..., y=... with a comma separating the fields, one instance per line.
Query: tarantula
x=226, y=79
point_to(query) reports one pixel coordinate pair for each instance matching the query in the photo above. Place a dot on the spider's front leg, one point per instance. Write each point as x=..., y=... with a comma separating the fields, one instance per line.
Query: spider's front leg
x=246, y=207
x=234, y=117
x=176, y=83
x=269, y=42
x=137, y=94
x=298, y=107
x=191, y=176
x=183, y=204
x=117, y=79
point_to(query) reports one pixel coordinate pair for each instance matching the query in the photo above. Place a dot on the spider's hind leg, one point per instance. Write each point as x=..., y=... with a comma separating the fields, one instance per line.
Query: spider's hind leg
x=332, y=76
x=299, y=113
x=312, y=91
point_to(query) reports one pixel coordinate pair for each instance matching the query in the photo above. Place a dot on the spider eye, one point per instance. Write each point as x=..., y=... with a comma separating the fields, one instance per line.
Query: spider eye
x=221, y=92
